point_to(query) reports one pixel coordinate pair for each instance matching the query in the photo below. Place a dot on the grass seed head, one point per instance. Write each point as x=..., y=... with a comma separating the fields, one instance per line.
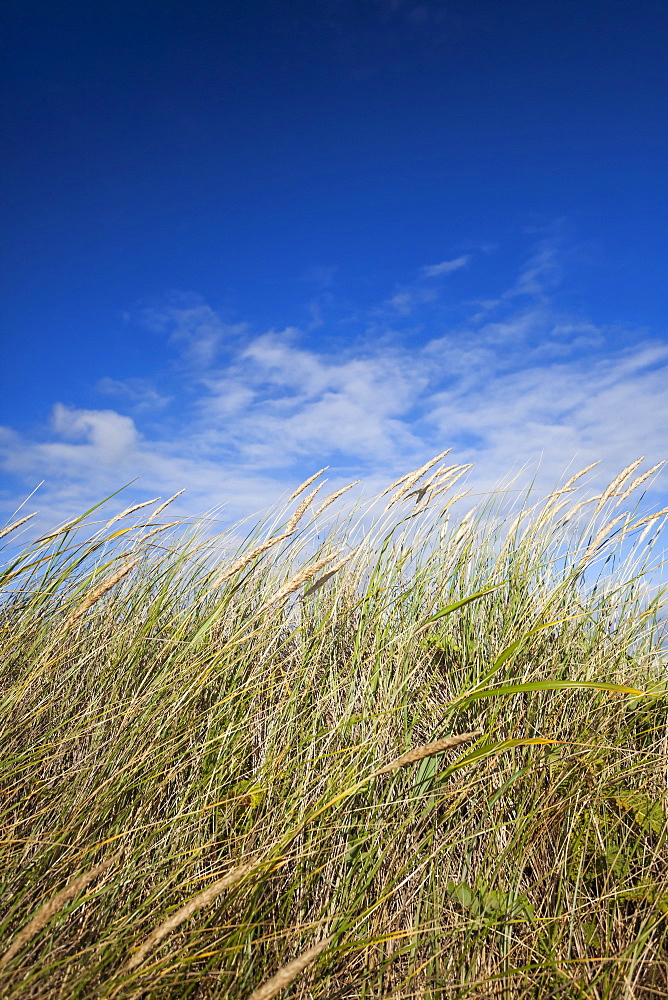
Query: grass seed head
x=248, y=557
x=332, y=572
x=578, y=475
x=299, y=580
x=334, y=496
x=601, y=536
x=289, y=972
x=130, y=510
x=428, y=750
x=97, y=592
x=305, y=485
x=638, y=482
x=618, y=481
x=301, y=510
x=51, y=907
x=651, y=517
x=413, y=478
x=16, y=524
x=199, y=901
x=162, y=506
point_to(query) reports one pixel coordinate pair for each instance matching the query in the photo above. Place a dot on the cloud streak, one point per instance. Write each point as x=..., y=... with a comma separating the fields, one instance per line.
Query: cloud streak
x=446, y=266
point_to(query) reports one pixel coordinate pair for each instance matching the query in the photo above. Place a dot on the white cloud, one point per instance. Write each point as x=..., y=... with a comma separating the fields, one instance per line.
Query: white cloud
x=613, y=408
x=519, y=383
x=405, y=300
x=140, y=393
x=195, y=327
x=446, y=266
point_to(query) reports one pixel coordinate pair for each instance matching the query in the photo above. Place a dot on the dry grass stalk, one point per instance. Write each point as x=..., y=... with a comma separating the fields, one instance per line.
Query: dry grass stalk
x=523, y=514
x=289, y=972
x=259, y=549
x=247, y=558
x=578, y=475
x=638, y=482
x=601, y=536
x=301, y=510
x=163, y=527
x=435, y=479
x=578, y=507
x=16, y=524
x=162, y=506
x=97, y=592
x=428, y=750
x=298, y=581
x=305, y=485
x=332, y=571
x=618, y=481
x=51, y=907
x=199, y=901
x=334, y=496
x=464, y=527
x=413, y=478
x=652, y=517
x=58, y=531
x=130, y=510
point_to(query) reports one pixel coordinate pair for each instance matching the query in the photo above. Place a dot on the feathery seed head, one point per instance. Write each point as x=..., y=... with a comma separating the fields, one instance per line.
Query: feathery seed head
x=130, y=510
x=618, y=481
x=305, y=485
x=289, y=972
x=16, y=524
x=334, y=496
x=162, y=506
x=97, y=592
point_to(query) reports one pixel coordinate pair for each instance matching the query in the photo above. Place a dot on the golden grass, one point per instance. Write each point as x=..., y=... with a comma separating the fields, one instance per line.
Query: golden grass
x=52, y=907
x=198, y=902
x=99, y=591
x=16, y=524
x=429, y=750
x=289, y=972
x=217, y=721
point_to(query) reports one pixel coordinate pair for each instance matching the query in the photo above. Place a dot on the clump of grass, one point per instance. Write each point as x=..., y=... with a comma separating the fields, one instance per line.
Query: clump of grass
x=431, y=740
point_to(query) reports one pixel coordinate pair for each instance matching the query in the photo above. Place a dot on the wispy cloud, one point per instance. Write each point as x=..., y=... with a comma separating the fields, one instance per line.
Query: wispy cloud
x=446, y=266
x=519, y=382
x=141, y=393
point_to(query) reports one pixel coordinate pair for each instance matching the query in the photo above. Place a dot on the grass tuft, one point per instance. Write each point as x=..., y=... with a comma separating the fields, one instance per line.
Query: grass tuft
x=216, y=727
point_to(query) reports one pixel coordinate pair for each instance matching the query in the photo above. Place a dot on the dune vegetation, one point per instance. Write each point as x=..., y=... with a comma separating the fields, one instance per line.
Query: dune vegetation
x=412, y=749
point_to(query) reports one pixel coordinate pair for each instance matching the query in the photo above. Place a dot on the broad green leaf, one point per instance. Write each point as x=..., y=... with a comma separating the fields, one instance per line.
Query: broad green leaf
x=489, y=749
x=544, y=686
x=458, y=604
x=506, y=653
x=647, y=812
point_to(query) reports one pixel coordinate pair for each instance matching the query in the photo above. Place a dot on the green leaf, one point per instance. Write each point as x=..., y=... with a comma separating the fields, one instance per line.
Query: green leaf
x=506, y=653
x=458, y=604
x=647, y=812
x=491, y=903
x=488, y=749
x=462, y=892
x=476, y=695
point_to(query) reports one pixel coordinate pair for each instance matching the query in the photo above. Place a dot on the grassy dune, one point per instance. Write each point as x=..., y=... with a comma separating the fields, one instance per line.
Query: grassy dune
x=397, y=753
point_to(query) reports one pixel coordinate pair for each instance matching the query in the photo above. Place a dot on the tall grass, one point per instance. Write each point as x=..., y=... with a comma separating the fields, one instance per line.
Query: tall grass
x=400, y=754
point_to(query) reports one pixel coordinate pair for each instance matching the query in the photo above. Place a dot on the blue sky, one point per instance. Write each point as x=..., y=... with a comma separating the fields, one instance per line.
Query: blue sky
x=243, y=241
